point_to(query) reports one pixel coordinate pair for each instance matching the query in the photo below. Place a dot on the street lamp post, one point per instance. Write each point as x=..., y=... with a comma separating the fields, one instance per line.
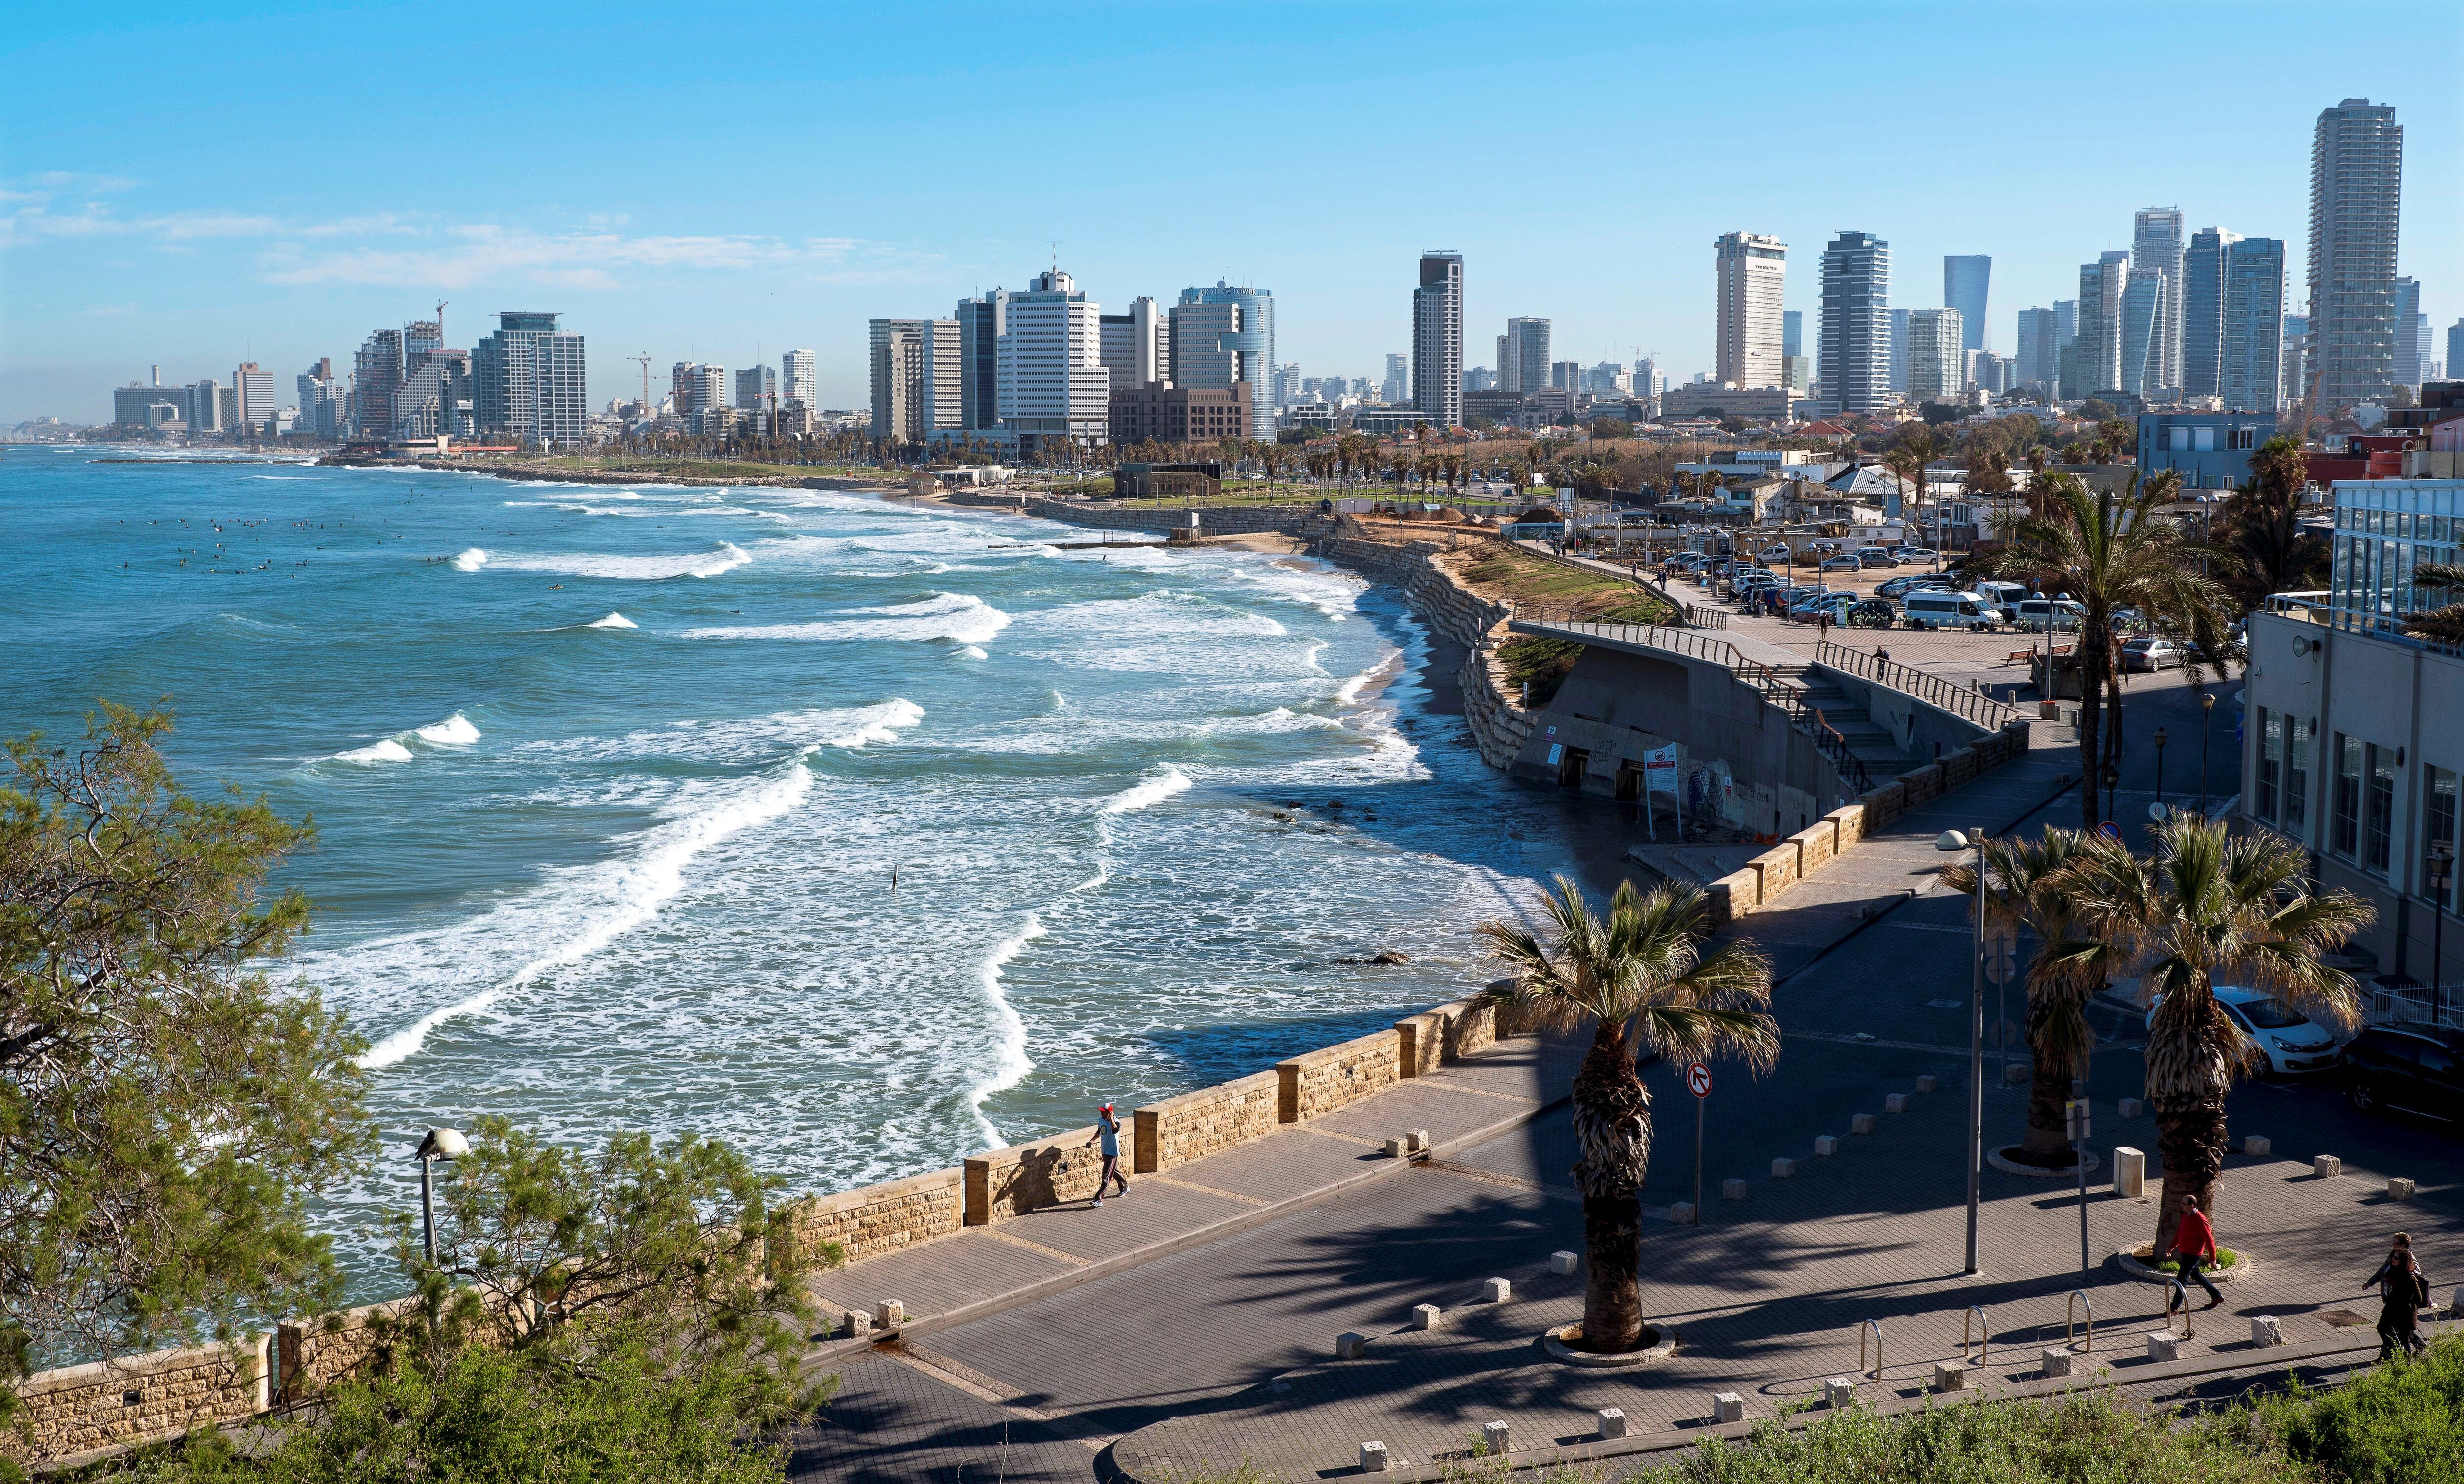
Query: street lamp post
x=2442, y=865
x=2112, y=782
x=2207, y=710
x=1952, y=841
x=441, y=1144
x=2160, y=766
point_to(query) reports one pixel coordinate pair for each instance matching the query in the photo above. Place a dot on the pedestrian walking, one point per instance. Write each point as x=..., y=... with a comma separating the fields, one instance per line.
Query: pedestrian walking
x=1881, y=655
x=2194, y=1249
x=2403, y=1289
x=1108, y=1131
x=1822, y=625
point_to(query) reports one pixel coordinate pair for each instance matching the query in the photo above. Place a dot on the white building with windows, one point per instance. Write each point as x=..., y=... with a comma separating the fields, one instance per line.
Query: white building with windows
x=1436, y=339
x=1937, y=366
x=1752, y=345
x=796, y=377
x=1050, y=361
x=2353, y=730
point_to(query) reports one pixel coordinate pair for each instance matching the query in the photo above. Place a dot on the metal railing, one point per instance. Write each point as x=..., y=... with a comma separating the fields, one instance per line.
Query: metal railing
x=2174, y=1295
x=1874, y=1328
x=2070, y=1320
x=1974, y=1328
x=1651, y=636
x=1960, y=701
x=1807, y=719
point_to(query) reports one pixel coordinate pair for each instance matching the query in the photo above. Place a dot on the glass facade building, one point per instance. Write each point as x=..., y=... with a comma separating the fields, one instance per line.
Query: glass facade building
x=1221, y=354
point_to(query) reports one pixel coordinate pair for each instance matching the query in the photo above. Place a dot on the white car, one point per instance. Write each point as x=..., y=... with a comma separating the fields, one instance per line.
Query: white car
x=1915, y=554
x=2291, y=1040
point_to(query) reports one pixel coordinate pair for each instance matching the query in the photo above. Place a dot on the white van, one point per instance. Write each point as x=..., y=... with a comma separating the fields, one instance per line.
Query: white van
x=1931, y=608
x=2035, y=613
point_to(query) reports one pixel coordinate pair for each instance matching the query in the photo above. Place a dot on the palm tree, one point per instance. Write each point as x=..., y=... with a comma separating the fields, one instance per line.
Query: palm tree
x=2211, y=904
x=1907, y=460
x=2022, y=891
x=2111, y=550
x=1643, y=979
x=2262, y=526
x=2442, y=626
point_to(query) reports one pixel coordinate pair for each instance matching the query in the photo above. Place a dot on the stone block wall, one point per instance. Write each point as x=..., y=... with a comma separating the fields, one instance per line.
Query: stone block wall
x=1776, y=871
x=1815, y=844
x=1922, y=784
x=1179, y=1129
x=1848, y=826
x=1003, y=1185
x=1420, y=1042
x=79, y=1411
x=1213, y=520
x=1469, y=1029
x=310, y=1354
x=1332, y=1077
x=884, y=1217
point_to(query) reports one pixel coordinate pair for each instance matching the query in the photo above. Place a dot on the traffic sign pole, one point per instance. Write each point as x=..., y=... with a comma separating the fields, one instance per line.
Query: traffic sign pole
x=1698, y=1081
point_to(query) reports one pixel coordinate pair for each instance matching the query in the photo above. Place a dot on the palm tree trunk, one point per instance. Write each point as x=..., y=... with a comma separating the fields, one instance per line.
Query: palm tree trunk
x=2046, y=1142
x=2190, y=1136
x=1613, y=1128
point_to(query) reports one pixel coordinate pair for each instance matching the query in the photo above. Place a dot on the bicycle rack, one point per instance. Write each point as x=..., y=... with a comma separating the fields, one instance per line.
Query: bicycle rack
x=1974, y=1328
x=2173, y=1294
x=2070, y=1317
x=1874, y=1328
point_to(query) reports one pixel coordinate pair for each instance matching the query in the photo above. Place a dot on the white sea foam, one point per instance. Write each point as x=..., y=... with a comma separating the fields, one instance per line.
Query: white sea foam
x=1010, y=1062
x=612, y=620
x=471, y=560
x=630, y=569
x=454, y=730
x=748, y=739
x=960, y=618
x=1146, y=791
x=388, y=751
x=968, y=652
x=581, y=910
x=1336, y=597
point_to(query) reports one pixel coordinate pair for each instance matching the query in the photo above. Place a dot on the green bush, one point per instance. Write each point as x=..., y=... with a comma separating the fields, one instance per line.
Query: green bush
x=2395, y=1424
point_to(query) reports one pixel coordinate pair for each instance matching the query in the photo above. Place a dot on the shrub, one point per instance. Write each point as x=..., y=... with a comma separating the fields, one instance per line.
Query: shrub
x=2401, y=1423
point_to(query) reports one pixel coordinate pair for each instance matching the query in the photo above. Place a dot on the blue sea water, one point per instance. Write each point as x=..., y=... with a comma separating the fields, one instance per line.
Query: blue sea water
x=612, y=786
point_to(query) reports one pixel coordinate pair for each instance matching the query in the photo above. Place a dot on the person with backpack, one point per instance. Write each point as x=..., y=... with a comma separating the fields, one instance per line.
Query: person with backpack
x=1108, y=1129
x=2403, y=1292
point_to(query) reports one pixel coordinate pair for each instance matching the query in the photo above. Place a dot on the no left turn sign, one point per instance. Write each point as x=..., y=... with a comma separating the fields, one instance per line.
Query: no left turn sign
x=1698, y=1080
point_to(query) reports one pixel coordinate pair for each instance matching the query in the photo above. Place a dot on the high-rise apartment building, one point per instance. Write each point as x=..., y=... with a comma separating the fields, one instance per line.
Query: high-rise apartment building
x=796, y=377
x=254, y=387
x=1437, y=338
x=1937, y=364
x=1856, y=350
x=1137, y=345
x=2411, y=350
x=1966, y=286
x=1752, y=340
x=2456, y=350
x=2356, y=186
x=529, y=381
x=2249, y=375
x=1523, y=356
x=2039, y=343
x=1791, y=332
x=757, y=388
x=2094, y=363
x=2156, y=246
x=1900, y=351
x=1053, y=383
x=321, y=399
x=1223, y=349
x=918, y=379
x=2143, y=332
x=2203, y=311
x=376, y=382
x=2301, y=381
x=1396, y=389
x=980, y=320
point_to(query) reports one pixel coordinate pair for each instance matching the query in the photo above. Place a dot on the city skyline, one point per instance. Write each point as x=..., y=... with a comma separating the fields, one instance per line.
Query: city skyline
x=110, y=265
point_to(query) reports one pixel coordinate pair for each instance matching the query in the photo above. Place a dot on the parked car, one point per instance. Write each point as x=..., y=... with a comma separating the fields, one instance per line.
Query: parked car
x=1875, y=556
x=1933, y=608
x=2005, y=596
x=2410, y=1067
x=1776, y=551
x=1900, y=587
x=2153, y=654
x=2291, y=1042
x=2061, y=613
x=1874, y=613
x=1916, y=553
x=1842, y=564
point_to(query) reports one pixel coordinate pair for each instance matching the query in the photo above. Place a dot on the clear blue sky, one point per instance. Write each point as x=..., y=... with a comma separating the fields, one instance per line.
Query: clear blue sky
x=271, y=182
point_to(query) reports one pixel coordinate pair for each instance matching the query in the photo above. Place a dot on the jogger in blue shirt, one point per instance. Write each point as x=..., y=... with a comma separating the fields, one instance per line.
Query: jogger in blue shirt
x=1108, y=1131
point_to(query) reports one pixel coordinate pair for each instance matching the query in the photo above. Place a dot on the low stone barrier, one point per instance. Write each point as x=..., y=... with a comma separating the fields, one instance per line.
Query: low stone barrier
x=80, y=1412
x=881, y=1219
x=1321, y=1081
x=1006, y=1184
x=310, y=1354
x=1178, y=1130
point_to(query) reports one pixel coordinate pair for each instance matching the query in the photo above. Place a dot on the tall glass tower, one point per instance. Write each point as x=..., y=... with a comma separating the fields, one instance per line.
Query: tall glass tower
x=1223, y=348
x=1967, y=280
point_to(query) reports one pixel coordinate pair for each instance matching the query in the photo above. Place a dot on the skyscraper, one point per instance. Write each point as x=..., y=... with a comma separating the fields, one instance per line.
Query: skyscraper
x=1134, y=345
x=1791, y=332
x=2251, y=362
x=2156, y=247
x=2203, y=311
x=980, y=328
x=376, y=380
x=2410, y=347
x=255, y=388
x=757, y=388
x=1523, y=356
x=1437, y=338
x=2096, y=364
x=1052, y=377
x=509, y=397
x=1856, y=323
x=1216, y=350
x=2143, y=332
x=2040, y=343
x=1397, y=388
x=796, y=378
x=321, y=399
x=1967, y=282
x=2456, y=350
x=1752, y=286
x=918, y=379
x=1937, y=371
x=1900, y=351
x=2356, y=182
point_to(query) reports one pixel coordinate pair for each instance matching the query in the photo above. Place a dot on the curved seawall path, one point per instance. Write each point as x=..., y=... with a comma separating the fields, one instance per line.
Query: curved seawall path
x=612, y=782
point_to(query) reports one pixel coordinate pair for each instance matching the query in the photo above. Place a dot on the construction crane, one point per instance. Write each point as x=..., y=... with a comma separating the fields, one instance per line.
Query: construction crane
x=645, y=359
x=440, y=322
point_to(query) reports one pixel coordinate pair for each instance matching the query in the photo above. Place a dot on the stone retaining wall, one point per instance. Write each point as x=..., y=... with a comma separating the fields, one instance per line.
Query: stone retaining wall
x=1332, y=1077
x=884, y=1217
x=80, y=1412
x=310, y=1354
x=1003, y=1185
x=1179, y=1129
x=1213, y=520
x=1499, y=727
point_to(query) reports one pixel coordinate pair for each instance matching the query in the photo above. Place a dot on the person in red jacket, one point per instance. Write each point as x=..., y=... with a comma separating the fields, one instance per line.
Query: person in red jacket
x=2194, y=1248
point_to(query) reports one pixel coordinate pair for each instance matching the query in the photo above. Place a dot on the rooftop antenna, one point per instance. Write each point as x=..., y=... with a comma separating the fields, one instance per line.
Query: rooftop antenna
x=1056, y=258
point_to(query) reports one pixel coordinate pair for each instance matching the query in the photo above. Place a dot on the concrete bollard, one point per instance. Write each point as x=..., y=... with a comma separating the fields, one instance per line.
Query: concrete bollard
x=1612, y=1422
x=1426, y=1316
x=1727, y=1406
x=855, y=1321
x=1395, y=1148
x=2456, y=1308
x=2399, y=1189
x=1418, y=1140
x=1896, y=1103
x=1493, y=1438
x=1838, y=1392
x=2163, y=1346
x=2016, y=1072
x=1681, y=1213
x=1861, y=1124
x=2129, y=1171
x=1373, y=1457
x=1826, y=1145
x=2129, y=1108
x=1498, y=1290
x=2053, y=1361
x=2266, y=1329
x=1783, y=1168
x=888, y=1314
x=1350, y=1346
x=2326, y=1166
x=1926, y=1084
x=1950, y=1376
x=1732, y=1190
x=2257, y=1145
x=1562, y=1263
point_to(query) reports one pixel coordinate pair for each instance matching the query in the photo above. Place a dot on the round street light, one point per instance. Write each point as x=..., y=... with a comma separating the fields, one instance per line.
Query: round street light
x=441, y=1144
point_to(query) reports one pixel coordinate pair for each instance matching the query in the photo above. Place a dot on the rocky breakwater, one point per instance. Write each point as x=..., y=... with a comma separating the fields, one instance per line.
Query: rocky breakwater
x=1499, y=727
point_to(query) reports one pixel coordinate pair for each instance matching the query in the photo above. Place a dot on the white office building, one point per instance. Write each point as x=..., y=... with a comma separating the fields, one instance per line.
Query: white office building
x=1937, y=366
x=917, y=384
x=796, y=377
x=1751, y=348
x=2157, y=248
x=1050, y=359
x=1437, y=338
